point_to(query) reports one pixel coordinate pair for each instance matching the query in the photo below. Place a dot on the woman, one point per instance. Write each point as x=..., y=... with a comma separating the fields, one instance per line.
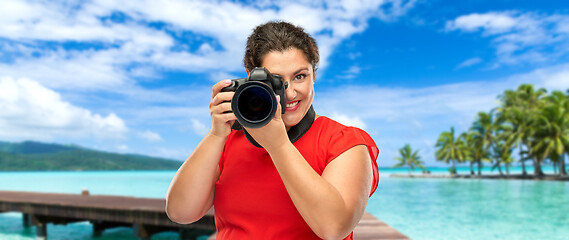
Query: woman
x=316, y=187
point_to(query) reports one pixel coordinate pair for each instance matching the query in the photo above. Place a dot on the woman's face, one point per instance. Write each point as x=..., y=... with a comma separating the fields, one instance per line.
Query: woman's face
x=295, y=69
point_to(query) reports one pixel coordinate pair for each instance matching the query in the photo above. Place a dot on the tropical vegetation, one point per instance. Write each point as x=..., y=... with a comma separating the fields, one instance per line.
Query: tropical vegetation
x=36, y=156
x=409, y=159
x=528, y=121
x=450, y=148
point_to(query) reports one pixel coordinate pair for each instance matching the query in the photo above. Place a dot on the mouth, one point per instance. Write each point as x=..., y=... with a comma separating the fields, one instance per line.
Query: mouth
x=291, y=106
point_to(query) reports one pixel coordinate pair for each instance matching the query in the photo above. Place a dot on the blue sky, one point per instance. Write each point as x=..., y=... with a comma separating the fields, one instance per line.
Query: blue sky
x=136, y=76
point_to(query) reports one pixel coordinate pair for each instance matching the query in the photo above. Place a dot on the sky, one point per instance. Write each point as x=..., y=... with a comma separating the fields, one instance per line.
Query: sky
x=136, y=76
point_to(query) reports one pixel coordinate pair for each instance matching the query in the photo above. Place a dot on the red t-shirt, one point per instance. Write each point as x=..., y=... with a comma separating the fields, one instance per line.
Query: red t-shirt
x=251, y=201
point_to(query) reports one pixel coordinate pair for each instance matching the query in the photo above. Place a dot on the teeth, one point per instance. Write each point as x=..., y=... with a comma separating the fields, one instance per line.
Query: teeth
x=292, y=104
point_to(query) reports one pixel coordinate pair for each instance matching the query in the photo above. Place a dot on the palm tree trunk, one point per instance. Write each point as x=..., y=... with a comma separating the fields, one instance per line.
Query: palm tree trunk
x=499, y=168
x=454, y=167
x=562, y=171
x=524, y=172
x=479, y=166
x=471, y=168
x=537, y=168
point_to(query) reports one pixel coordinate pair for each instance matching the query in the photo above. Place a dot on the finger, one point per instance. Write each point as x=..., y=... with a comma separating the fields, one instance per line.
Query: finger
x=221, y=108
x=224, y=118
x=229, y=118
x=218, y=86
x=221, y=98
x=279, y=108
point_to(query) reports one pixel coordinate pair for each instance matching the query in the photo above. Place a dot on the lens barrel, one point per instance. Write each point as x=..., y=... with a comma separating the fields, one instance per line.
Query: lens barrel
x=254, y=104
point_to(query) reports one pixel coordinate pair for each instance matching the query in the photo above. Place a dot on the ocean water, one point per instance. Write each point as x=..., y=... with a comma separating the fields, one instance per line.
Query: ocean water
x=419, y=208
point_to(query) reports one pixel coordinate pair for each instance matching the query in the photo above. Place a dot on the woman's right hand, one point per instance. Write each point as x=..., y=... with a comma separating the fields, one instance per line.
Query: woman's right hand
x=222, y=118
x=191, y=192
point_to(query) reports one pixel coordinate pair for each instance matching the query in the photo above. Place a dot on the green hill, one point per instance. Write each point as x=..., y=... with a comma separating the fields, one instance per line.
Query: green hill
x=36, y=156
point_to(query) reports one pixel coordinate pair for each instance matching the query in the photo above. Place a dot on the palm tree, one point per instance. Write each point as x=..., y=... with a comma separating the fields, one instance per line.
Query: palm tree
x=503, y=149
x=562, y=102
x=450, y=149
x=476, y=151
x=510, y=112
x=409, y=158
x=530, y=104
x=505, y=157
x=469, y=152
x=484, y=128
x=552, y=133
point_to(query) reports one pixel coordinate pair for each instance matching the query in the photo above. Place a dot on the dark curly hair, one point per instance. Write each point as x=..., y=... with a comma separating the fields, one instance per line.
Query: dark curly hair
x=279, y=36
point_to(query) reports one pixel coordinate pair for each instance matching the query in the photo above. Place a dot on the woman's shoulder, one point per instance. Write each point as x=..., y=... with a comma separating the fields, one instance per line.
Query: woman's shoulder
x=330, y=130
x=336, y=138
x=326, y=122
x=331, y=126
x=335, y=130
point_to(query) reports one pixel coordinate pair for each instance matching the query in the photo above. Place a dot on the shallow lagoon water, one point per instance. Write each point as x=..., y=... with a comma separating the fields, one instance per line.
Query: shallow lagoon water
x=474, y=209
x=419, y=208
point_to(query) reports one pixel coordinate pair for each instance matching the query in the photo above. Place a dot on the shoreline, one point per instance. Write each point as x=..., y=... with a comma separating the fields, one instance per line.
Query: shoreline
x=493, y=176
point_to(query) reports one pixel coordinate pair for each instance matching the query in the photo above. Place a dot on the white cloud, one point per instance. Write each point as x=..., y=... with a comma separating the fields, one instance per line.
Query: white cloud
x=551, y=78
x=199, y=128
x=558, y=81
x=348, y=121
x=491, y=23
x=519, y=37
x=123, y=148
x=78, y=48
x=350, y=73
x=114, y=45
x=396, y=116
x=469, y=62
x=354, y=70
x=171, y=153
x=220, y=75
x=150, y=136
x=29, y=110
x=70, y=70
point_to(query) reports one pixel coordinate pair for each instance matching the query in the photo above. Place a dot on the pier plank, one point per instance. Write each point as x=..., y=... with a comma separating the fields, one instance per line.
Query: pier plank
x=146, y=215
x=371, y=228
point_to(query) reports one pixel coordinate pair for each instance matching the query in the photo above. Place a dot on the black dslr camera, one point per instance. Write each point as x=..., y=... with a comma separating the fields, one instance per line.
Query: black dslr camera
x=254, y=102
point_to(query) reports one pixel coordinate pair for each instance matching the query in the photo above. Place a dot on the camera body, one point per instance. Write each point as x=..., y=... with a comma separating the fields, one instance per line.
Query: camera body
x=254, y=102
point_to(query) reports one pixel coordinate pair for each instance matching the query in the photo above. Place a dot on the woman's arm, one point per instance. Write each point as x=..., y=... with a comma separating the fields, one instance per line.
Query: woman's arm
x=332, y=203
x=190, y=194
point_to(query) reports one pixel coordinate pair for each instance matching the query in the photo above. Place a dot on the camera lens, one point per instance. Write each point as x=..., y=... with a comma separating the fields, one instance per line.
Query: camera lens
x=255, y=103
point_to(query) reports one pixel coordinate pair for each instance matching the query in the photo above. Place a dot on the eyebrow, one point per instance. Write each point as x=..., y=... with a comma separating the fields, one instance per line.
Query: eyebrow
x=300, y=70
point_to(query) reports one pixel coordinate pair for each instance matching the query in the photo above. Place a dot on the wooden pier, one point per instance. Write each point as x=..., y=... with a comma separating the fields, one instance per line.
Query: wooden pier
x=145, y=215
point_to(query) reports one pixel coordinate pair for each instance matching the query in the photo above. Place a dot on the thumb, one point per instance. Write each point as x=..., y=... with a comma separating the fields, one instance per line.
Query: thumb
x=278, y=114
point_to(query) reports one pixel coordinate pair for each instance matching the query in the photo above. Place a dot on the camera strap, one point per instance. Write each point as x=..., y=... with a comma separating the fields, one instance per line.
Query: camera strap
x=294, y=133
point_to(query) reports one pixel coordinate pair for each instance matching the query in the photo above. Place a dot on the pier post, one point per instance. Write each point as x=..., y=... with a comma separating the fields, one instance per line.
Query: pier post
x=186, y=234
x=146, y=215
x=41, y=231
x=141, y=231
x=100, y=226
x=27, y=220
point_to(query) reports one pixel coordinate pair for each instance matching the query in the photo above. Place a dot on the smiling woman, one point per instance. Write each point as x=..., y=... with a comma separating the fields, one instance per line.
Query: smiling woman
x=300, y=78
x=308, y=187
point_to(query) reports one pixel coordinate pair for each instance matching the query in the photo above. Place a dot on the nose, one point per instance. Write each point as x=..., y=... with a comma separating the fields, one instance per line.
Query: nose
x=290, y=91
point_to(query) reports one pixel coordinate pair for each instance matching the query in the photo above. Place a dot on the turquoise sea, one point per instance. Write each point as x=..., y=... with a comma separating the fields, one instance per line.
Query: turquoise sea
x=419, y=208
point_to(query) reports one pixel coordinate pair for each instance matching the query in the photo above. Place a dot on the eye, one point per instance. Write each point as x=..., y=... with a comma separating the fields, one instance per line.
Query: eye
x=299, y=76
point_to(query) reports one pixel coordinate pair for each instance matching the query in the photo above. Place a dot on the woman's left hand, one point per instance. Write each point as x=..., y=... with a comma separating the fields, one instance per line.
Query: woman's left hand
x=273, y=134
